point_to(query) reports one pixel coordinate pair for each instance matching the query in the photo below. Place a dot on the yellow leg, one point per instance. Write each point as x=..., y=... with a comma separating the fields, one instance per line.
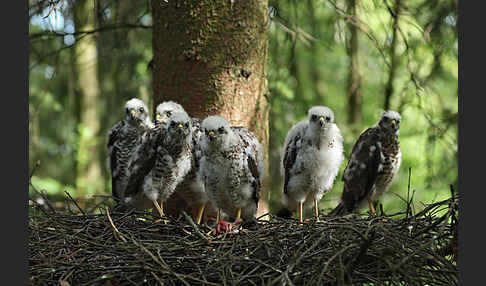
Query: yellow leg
x=316, y=210
x=300, y=212
x=238, y=214
x=218, y=215
x=158, y=208
x=371, y=206
x=161, y=204
x=200, y=212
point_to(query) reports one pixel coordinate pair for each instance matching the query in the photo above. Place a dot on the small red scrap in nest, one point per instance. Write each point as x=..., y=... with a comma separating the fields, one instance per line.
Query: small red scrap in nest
x=224, y=226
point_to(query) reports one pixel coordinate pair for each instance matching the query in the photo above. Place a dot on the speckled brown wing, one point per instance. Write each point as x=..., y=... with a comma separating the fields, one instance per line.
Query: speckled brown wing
x=144, y=162
x=362, y=170
x=254, y=157
x=290, y=153
x=113, y=137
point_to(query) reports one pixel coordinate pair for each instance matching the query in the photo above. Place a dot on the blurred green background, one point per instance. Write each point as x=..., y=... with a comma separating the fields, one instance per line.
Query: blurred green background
x=310, y=54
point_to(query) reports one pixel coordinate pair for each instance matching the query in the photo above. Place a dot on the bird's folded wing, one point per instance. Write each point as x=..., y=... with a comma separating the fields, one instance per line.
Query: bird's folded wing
x=363, y=166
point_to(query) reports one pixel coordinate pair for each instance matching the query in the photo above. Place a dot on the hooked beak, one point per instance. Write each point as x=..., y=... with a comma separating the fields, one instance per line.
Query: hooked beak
x=157, y=118
x=394, y=124
x=211, y=135
x=321, y=121
x=180, y=128
x=132, y=114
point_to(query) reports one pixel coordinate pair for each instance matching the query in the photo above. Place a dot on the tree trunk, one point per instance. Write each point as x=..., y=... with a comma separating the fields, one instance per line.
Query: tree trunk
x=211, y=57
x=86, y=66
x=354, y=77
x=394, y=58
x=317, y=85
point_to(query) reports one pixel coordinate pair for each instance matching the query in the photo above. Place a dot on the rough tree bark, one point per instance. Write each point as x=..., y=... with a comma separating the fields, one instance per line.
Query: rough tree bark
x=87, y=87
x=211, y=57
x=354, y=77
x=394, y=57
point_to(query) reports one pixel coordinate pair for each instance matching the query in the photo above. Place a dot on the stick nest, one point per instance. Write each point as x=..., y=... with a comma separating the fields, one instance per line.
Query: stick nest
x=399, y=249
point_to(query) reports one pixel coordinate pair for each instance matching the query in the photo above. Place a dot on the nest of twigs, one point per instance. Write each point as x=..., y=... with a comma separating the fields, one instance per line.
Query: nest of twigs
x=131, y=248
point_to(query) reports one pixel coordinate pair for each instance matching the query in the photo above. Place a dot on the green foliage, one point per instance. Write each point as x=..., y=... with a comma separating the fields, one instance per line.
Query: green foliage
x=51, y=186
x=425, y=86
x=54, y=103
x=308, y=65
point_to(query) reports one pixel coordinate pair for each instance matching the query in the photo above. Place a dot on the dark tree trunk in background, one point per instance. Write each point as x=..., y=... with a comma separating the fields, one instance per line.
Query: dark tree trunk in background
x=87, y=87
x=317, y=85
x=354, y=77
x=211, y=57
x=293, y=60
x=394, y=57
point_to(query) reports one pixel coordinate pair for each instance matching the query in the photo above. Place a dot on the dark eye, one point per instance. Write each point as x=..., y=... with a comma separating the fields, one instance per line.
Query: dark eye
x=314, y=117
x=328, y=118
x=386, y=119
x=141, y=109
x=206, y=131
x=169, y=113
x=221, y=130
x=186, y=125
x=172, y=123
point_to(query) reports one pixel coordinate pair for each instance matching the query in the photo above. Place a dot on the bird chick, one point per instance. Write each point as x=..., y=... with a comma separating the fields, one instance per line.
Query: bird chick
x=231, y=168
x=313, y=154
x=123, y=139
x=373, y=164
x=173, y=159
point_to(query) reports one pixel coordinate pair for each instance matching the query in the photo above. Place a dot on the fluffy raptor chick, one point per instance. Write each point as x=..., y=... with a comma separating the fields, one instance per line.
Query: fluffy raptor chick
x=190, y=190
x=123, y=139
x=373, y=164
x=164, y=110
x=173, y=159
x=313, y=154
x=231, y=168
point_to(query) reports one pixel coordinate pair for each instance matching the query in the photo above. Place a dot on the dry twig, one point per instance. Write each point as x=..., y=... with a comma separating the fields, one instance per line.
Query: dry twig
x=355, y=250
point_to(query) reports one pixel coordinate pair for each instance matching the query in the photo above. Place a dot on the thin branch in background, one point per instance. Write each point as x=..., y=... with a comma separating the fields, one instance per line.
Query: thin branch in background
x=295, y=31
x=393, y=54
x=103, y=201
x=42, y=193
x=39, y=206
x=414, y=78
x=38, y=8
x=80, y=35
x=37, y=165
x=106, y=28
x=75, y=203
x=363, y=27
x=53, y=7
x=410, y=199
